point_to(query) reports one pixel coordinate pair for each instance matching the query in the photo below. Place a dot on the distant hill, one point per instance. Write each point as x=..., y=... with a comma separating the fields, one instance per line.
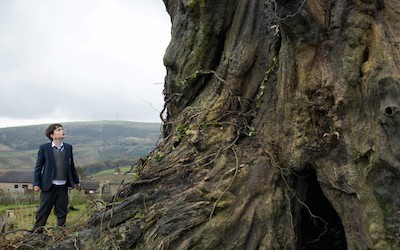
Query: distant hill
x=96, y=144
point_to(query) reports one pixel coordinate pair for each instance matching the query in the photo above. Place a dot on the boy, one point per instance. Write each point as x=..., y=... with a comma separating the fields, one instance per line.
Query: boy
x=54, y=173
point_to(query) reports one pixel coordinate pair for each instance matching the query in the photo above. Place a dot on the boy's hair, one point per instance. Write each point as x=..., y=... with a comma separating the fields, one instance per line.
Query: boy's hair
x=50, y=130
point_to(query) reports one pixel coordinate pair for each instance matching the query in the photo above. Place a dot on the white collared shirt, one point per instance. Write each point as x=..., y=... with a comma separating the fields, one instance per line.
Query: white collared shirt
x=61, y=148
x=59, y=182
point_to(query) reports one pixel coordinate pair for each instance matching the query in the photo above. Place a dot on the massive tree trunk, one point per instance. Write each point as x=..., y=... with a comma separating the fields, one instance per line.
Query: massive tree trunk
x=281, y=131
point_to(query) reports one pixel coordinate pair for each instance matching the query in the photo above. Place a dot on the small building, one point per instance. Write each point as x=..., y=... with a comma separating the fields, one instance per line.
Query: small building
x=90, y=186
x=117, y=182
x=111, y=185
x=16, y=182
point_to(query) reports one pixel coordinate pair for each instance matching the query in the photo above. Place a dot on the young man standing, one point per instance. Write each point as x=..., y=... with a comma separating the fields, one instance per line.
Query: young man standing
x=54, y=173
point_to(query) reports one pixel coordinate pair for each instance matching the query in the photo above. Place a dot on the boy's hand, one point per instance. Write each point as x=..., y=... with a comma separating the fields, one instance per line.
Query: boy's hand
x=78, y=187
x=36, y=188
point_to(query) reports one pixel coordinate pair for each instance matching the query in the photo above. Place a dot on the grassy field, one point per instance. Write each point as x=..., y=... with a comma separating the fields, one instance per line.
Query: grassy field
x=23, y=216
x=123, y=170
x=22, y=219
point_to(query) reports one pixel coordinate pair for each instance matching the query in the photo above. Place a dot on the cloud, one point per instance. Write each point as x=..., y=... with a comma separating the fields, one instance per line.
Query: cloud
x=82, y=60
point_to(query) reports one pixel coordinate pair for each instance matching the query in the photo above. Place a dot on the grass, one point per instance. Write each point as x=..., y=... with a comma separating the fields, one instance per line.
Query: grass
x=24, y=214
x=24, y=217
x=15, y=237
x=4, y=208
x=123, y=170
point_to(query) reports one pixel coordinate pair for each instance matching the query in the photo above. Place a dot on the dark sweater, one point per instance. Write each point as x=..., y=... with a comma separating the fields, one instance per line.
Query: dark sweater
x=60, y=170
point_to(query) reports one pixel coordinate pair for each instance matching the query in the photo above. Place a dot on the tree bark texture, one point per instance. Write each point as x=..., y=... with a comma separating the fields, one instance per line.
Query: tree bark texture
x=281, y=131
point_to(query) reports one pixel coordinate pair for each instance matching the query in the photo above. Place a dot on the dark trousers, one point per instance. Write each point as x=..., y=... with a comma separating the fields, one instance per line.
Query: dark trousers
x=57, y=196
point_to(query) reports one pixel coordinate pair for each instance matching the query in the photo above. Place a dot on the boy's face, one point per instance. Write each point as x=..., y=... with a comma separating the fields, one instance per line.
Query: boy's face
x=58, y=134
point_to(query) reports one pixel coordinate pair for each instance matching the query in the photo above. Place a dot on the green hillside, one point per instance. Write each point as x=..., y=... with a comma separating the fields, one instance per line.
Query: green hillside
x=96, y=144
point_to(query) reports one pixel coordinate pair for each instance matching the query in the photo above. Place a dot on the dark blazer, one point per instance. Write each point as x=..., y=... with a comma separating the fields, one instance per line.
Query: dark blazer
x=44, y=169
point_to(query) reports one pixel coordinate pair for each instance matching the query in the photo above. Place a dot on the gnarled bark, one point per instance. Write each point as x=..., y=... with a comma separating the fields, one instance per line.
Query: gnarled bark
x=281, y=131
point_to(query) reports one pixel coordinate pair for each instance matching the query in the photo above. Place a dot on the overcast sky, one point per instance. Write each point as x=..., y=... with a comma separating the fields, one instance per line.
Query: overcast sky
x=81, y=60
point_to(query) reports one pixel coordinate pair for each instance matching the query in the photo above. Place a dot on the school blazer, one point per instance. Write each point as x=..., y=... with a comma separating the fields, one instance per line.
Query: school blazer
x=45, y=164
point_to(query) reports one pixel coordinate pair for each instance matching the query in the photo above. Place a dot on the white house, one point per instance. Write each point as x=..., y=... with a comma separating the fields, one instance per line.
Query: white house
x=16, y=182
